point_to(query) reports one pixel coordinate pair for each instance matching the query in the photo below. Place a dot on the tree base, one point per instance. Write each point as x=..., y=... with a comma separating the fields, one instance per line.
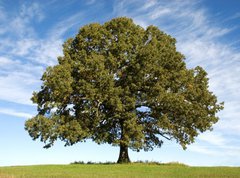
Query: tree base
x=123, y=155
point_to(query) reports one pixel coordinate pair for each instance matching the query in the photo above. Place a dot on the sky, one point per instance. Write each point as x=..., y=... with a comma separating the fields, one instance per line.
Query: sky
x=31, y=38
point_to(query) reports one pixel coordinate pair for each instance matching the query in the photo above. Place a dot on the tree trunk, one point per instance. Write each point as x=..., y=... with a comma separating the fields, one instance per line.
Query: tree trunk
x=123, y=155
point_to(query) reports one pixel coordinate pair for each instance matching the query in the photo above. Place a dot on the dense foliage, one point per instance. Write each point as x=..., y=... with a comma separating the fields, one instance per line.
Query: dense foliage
x=120, y=84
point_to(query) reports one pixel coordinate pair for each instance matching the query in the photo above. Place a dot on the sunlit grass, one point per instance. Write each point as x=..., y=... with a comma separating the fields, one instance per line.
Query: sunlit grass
x=135, y=170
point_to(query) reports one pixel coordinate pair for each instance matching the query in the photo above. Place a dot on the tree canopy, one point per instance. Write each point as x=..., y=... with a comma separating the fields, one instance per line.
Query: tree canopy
x=124, y=85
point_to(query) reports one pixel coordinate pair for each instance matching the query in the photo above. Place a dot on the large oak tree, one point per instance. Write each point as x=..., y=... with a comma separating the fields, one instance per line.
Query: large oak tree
x=120, y=84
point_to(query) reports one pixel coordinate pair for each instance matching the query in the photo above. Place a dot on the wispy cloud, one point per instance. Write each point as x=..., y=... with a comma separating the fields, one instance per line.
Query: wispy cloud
x=234, y=17
x=149, y=4
x=160, y=12
x=23, y=56
x=6, y=62
x=221, y=151
x=12, y=112
x=212, y=138
x=23, y=47
x=203, y=150
x=230, y=123
x=31, y=11
x=19, y=25
x=63, y=26
x=18, y=80
x=90, y=2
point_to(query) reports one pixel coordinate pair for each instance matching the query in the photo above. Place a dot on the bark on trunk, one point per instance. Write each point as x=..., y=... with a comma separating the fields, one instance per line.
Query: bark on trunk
x=123, y=155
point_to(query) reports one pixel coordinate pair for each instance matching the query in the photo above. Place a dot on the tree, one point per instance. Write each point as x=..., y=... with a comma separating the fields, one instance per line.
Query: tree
x=120, y=84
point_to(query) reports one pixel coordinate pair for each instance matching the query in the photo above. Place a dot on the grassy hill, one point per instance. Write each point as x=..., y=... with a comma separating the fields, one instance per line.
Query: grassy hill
x=135, y=170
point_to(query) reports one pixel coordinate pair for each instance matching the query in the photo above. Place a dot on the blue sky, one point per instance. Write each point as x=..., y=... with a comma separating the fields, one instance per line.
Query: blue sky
x=31, y=35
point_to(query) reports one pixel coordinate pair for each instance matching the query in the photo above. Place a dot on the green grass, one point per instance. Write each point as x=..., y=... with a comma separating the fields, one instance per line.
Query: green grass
x=135, y=170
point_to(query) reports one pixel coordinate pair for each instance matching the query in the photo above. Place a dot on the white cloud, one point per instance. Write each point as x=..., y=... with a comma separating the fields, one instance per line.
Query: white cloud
x=5, y=62
x=22, y=44
x=31, y=11
x=41, y=51
x=12, y=112
x=140, y=22
x=212, y=138
x=223, y=151
x=202, y=150
x=149, y=4
x=160, y=12
x=234, y=17
x=229, y=118
x=17, y=86
x=45, y=51
x=18, y=80
x=19, y=25
x=32, y=50
x=23, y=47
x=90, y=2
x=23, y=56
x=2, y=14
x=63, y=26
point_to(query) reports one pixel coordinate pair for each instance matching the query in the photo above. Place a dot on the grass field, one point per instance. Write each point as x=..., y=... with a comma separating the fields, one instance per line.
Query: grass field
x=117, y=171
